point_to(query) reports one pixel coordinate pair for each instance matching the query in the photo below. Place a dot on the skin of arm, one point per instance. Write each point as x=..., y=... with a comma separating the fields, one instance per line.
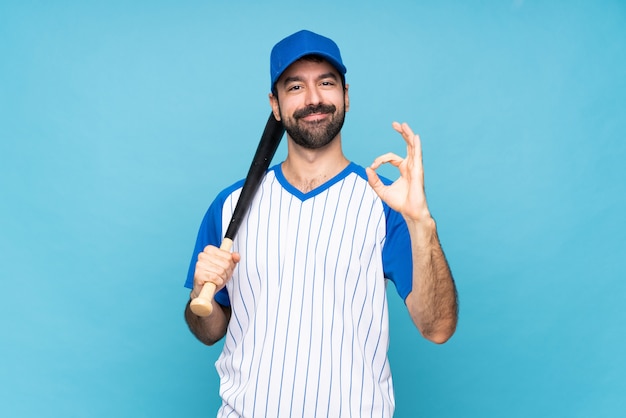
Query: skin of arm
x=209, y=329
x=214, y=265
x=432, y=303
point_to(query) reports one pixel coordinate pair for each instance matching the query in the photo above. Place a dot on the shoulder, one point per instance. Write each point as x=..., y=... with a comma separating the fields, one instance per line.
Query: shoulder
x=231, y=193
x=223, y=195
x=214, y=212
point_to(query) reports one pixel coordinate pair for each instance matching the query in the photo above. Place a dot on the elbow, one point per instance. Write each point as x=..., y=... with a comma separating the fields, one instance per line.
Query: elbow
x=437, y=326
x=207, y=340
x=440, y=336
x=205, y=337
x=437, y=331
x=207, y=331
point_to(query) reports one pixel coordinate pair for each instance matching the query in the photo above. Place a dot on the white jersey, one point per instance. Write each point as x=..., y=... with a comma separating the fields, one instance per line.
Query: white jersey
x=308, y=335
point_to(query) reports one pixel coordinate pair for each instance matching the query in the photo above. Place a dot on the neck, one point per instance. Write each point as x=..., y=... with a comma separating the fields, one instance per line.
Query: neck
x=306, y=169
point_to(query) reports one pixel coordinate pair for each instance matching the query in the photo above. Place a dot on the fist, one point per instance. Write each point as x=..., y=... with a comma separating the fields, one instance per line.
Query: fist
x=214, y=265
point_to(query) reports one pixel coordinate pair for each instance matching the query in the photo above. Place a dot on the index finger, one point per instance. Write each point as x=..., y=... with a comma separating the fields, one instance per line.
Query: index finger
x=389, y=157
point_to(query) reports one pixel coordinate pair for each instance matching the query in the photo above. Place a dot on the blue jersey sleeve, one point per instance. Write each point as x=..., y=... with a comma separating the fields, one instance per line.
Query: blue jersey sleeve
x=397, y=253
x=210, y=233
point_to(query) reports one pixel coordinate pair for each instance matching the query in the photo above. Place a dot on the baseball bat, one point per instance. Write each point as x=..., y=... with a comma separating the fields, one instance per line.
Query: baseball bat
x=272, y=134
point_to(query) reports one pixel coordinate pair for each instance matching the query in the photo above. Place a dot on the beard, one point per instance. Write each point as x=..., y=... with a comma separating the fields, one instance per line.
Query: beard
x=317, y=134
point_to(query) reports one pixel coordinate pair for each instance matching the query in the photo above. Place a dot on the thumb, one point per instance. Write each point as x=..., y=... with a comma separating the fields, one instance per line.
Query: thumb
x=375, y=182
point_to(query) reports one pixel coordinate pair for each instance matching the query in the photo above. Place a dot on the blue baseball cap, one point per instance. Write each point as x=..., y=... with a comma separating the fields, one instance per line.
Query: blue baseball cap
x=298, y=45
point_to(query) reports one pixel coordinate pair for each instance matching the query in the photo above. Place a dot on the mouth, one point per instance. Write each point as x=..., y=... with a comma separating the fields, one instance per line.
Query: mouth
x=315, y=113
x=315, y=117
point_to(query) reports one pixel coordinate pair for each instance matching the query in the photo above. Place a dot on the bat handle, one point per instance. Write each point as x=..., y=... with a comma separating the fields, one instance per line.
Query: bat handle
x=203, y=304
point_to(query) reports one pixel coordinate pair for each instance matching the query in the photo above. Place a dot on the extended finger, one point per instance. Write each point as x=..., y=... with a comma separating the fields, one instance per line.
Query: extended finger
x=403, y=128
x=407, y=133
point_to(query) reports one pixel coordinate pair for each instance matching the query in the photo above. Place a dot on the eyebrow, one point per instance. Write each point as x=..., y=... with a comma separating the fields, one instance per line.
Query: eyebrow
x=296, y=78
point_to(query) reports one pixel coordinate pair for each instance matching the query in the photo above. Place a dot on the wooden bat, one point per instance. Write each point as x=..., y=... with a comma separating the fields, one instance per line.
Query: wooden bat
x=272, y=134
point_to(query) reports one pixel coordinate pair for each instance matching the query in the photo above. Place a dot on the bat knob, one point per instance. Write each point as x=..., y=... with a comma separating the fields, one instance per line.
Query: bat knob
x=203, y=304
x=201, y=307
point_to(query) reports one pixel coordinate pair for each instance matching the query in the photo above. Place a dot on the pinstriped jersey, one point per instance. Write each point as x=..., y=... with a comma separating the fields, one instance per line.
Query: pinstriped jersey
x=308, y=335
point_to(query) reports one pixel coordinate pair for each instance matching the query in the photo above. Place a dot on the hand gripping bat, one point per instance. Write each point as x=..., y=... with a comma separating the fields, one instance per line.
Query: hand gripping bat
x=272, y=134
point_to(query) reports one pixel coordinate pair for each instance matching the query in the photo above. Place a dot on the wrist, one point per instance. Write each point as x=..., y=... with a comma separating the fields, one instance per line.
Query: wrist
x=423, y=231
x=422, y=221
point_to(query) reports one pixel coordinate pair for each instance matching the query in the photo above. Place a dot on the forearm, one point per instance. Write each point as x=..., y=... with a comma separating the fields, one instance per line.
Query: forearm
x=433, y=301
x=210, y=329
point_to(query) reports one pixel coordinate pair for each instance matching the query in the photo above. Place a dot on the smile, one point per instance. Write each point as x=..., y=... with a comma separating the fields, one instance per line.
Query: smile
x=315, y=113
x=315, y=117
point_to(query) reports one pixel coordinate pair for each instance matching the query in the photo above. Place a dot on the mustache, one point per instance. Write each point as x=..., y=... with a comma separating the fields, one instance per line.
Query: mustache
x=309, y=110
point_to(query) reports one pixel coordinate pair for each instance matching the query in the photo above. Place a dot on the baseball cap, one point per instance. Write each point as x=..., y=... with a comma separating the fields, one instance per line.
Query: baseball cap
x=296, y=46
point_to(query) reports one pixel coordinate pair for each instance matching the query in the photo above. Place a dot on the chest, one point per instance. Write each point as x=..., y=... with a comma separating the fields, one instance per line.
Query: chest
x=330, y=242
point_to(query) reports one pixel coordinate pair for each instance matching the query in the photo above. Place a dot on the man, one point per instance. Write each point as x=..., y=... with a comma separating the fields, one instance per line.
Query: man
x=303, y=294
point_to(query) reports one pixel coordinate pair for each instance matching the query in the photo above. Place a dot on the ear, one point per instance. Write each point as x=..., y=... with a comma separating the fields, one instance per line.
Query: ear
x=274, y=105
x=346, y=97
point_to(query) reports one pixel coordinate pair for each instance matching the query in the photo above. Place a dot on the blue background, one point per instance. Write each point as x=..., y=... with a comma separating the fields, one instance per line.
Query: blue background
x=119, y=122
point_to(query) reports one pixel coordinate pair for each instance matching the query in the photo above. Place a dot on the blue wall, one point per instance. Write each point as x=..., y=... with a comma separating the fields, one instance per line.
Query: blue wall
x=119, y=122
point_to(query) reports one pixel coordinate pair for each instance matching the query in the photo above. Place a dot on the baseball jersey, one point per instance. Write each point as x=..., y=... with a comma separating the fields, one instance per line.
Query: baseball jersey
x=308, y=334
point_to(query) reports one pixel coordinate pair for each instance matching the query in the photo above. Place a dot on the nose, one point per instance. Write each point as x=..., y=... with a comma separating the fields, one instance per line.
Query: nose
x=313, y=96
